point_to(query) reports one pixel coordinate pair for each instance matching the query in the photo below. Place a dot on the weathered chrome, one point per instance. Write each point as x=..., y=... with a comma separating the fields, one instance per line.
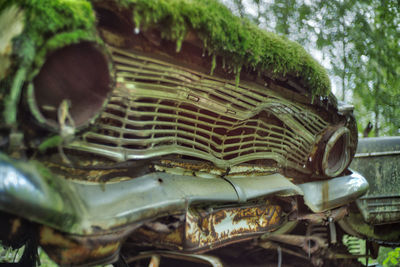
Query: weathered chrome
x=78, y=97
x=253, y=187
x=77, y=207
x=336, y=156
x=84, y=208
x=159, y=108
x=378, y=160
x=24, y=192
x=325, y=195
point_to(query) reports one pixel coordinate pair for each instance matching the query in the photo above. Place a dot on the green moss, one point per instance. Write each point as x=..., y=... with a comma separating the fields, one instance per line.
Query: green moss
x=238, y=41
x=51, y=24
x=44, y=19
x=48, y=25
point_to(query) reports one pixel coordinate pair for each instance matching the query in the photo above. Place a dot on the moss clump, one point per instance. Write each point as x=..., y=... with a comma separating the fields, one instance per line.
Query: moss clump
x=44, y=21
x=48, y=25
x=238, y=41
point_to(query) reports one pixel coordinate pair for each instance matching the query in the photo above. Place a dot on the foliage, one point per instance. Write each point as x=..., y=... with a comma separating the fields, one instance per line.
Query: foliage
x=393, y=258
x=48, y=25
x=44, y=19
x=377, y=84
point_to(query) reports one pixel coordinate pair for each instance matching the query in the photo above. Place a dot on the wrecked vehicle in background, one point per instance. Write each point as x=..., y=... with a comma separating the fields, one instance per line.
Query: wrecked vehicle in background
x=137, y=130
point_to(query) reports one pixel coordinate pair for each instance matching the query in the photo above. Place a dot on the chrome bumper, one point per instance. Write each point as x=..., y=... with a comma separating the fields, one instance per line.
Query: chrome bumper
x=87, y=208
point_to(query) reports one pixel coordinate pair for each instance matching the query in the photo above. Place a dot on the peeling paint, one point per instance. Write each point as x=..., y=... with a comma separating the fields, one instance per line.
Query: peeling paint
x=204, y=229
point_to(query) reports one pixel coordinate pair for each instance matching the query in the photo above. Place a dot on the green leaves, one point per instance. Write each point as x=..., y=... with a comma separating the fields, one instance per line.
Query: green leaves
x=393, y=258
x=360, y=43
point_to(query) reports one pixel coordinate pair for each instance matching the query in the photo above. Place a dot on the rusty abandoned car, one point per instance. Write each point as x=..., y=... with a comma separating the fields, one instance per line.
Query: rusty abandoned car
x=158, y=131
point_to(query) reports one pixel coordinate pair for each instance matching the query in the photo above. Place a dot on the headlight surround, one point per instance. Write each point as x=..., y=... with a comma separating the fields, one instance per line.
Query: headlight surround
x=337, y=154
x=79, y=73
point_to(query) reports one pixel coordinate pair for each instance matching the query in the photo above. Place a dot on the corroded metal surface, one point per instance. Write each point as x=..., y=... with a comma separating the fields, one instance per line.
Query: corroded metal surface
x=326, y=217
x=220, y=227
x=80, y=250
x=378, y=159
x=88, y=208
x=158, y=108
x=309, y=244
x=204, y=229
x=208, y=170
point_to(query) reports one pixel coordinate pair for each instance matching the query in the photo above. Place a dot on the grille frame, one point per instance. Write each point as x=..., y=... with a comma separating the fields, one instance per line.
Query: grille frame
x=171, y=109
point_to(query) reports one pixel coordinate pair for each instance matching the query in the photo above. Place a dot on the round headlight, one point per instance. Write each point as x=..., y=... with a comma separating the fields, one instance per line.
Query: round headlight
x=78, y=74
x=337, y=153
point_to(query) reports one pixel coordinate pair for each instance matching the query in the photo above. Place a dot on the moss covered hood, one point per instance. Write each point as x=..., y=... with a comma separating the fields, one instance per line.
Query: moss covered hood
x=50, y=24
x=242, y=44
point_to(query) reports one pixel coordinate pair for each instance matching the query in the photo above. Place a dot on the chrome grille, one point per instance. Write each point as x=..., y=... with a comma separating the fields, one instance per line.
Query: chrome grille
x=159, y=108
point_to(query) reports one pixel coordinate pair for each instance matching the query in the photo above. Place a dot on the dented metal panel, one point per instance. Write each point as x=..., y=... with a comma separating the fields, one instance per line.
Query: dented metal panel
x=87, y=208
x=378, y=160
x=259, y=186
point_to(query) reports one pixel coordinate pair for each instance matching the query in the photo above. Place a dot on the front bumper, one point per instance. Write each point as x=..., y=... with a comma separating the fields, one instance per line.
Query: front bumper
x=30, y=191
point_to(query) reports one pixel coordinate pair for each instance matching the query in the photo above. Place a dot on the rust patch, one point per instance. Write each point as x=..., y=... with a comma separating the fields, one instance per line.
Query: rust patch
x=219, y=216
x=78, y=250
x=199, y=168
x=228, y=225
x=92, y=175
x=323, y=218
x=206, y=229
x=252, y=214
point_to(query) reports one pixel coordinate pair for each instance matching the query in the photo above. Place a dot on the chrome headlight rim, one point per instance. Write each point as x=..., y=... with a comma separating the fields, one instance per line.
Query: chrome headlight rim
x=108, y=81
x=337, y=154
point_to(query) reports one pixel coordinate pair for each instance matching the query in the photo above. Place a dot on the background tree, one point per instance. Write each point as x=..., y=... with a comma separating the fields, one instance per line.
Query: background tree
x=358, y=42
